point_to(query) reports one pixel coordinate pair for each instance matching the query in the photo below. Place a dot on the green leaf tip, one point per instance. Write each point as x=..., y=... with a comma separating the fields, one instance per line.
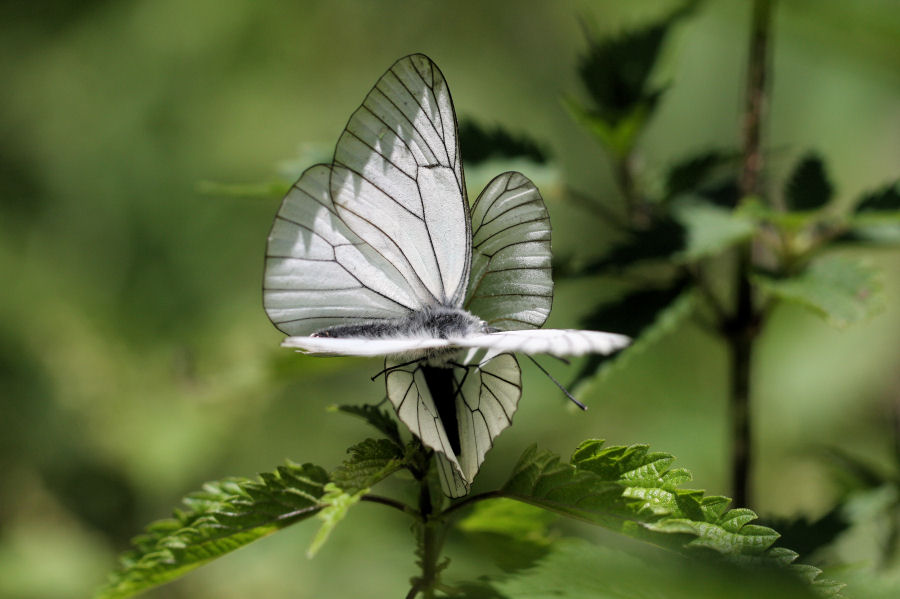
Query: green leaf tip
x=380, y=419
x=338, y=503
x=223, y=516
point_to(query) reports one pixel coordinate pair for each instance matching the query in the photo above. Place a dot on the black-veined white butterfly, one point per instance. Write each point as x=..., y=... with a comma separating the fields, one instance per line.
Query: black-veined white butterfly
x=380, y=254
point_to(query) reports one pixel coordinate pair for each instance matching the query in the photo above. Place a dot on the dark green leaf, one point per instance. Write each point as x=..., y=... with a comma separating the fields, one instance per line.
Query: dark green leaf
x=808, y=187
x=380, y=419
x=615, y=71
x=478, y=144
x=224, y=516
x=805, y=535
x=664, y=238
x=644, y=316
x=886, y=199
x=706, y=175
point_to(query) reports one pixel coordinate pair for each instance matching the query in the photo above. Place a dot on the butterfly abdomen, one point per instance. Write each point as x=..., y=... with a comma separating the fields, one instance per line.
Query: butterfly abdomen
x=444, y=388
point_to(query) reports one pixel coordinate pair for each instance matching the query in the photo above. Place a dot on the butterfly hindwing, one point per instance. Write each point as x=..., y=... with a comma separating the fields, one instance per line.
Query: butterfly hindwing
x=397, y=180
x=319, y=273
x=478, y=399
x=510, y=284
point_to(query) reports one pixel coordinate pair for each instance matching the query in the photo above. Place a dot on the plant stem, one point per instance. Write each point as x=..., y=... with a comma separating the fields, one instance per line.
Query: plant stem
x=742, y=329
x=430, y=531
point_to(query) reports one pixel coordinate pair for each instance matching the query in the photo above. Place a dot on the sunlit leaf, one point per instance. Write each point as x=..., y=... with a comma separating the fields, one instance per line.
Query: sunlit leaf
x=224, y=516
x=636, y=492
x=841, y=290
x=808, y=187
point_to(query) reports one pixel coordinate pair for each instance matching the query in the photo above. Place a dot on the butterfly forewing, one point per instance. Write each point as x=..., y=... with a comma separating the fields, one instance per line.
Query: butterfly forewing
x=510, y=285
x=319, y=273
x=557, y=342
x=397, y=180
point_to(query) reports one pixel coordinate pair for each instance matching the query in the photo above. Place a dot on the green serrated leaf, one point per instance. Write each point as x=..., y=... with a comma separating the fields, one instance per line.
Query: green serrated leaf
x=876, y=218
x=370, y=462
x=380, y=419
x=479, y=144
x=664, y=238
x=841, y=290
x=222, y=517
x=646, y=316
x=616, y=70
x=711, y=229
x=337, y=503
x=808, y=187
x=634, y=491
x=705, y=175
x=886, y=199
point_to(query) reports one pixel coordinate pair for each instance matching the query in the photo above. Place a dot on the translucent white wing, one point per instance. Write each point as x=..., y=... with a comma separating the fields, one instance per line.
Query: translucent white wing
x=557, y=342
x=319, y=273
x=364, y=347
x=510, y=285
x=397, y=180
x=478, y=402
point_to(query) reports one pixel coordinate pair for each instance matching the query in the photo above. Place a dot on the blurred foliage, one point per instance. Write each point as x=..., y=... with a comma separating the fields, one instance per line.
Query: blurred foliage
x=135, y=359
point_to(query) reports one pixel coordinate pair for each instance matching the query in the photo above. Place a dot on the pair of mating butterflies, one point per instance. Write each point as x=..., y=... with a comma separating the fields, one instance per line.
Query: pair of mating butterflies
x=380, y=254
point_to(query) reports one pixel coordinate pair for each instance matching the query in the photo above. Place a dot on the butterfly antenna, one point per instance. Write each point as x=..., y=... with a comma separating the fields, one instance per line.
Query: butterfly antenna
x=389, y=369
x=558, y=384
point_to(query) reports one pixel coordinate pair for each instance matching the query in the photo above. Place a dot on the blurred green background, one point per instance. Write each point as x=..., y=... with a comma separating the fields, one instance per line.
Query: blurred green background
x=135, y=358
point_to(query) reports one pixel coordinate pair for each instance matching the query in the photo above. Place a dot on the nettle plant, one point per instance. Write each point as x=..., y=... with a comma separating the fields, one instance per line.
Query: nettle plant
x=380, y=254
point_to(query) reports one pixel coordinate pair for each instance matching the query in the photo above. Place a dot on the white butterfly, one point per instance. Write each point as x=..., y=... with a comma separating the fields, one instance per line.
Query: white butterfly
x=375, y=255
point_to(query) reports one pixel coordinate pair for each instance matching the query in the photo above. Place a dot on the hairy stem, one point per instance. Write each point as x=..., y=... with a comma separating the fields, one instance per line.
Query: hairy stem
x=430, y=532
x=741, y=330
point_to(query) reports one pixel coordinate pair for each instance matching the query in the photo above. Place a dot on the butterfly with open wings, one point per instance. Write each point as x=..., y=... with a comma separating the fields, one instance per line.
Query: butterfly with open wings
x=380, y=254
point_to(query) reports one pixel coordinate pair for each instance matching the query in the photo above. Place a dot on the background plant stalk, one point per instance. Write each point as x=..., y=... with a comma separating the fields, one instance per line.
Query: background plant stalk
x=742, y=329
